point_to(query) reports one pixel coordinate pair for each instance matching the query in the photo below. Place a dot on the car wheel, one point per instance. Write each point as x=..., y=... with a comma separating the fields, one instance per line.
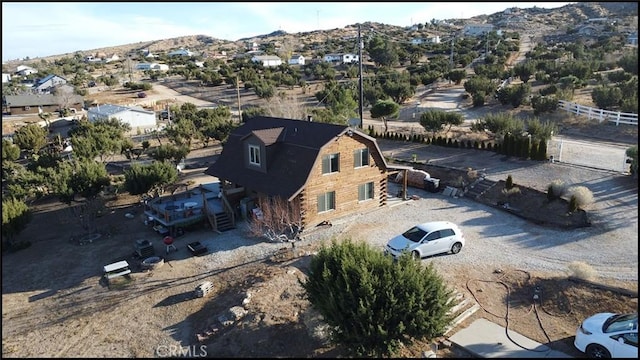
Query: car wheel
x=456, y=248
x=416, y=255
x=595, y=351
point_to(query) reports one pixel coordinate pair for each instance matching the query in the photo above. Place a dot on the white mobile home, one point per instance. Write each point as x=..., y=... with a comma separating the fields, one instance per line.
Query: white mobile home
x=136, y=117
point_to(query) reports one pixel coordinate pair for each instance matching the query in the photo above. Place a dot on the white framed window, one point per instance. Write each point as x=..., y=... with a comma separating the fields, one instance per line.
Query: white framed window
x=361, y=157
x=365, y=191
x=327, y=201
x=254, y=155
x=330, y=163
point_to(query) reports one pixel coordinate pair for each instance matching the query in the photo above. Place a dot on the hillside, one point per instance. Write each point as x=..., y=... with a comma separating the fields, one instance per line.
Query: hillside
x=511, y=19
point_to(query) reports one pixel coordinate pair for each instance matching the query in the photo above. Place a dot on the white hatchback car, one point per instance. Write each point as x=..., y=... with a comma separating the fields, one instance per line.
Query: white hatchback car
x=427, y=239
x=608, y=335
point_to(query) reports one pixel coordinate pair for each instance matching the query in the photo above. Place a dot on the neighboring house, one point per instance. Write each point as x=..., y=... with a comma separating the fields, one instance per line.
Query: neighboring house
x=152, y=66
x=6, y=78
x=144, y=66
x=296, y=59
x=180, y=52
x=160, y=67
x=251, y=45
x=349, y=58
x=327, y=171
x=34, y=104
x=91, y=58
x=332, y=58
x=24, y=70
x=341, y=58
x=267, y=60
x=46, y=84
x=111, y=58
x=477, y=29
x=632, y=39
x=137, y=118
x=433, y=40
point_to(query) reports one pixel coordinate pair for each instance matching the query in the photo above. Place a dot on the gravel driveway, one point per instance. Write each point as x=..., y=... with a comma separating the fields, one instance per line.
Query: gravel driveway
x=496, y=238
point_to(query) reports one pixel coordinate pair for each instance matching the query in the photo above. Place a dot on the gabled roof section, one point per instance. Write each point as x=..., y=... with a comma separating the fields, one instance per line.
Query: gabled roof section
x=36, y=100
x=47, y=78
x=107, y=110
x=267, y=136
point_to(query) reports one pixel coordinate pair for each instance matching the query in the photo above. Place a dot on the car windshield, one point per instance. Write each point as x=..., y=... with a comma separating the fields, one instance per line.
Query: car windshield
x=414, y=234
x=621, y=322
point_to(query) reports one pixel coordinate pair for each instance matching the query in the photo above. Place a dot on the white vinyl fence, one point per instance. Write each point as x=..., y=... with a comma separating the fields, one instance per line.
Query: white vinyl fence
x=595, y=155
x=599, y=114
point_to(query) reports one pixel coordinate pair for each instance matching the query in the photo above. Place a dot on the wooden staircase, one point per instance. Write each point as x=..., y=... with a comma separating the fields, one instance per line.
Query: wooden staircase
x=480, y=187
x=223, y=221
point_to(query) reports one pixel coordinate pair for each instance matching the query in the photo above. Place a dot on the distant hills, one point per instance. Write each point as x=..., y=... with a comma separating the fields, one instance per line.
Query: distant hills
x=551, y=20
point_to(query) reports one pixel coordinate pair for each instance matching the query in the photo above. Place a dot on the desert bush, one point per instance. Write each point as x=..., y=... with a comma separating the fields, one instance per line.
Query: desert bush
x=573, y=204
x=550, y=194
x=509, y=183
x=583, y=196
x=582, y=270
x=509, y=192
x=556, y=189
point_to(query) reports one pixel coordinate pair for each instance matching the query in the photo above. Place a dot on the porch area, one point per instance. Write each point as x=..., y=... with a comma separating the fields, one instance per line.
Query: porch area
x=169, y=213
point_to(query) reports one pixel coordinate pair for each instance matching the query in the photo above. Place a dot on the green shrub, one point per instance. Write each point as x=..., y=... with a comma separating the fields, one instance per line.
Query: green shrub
x=550, y=194
x=511, y=192
x=557, y=189
x=372, y=303
x=583, y=196
x=509, y=183
x=573, y=204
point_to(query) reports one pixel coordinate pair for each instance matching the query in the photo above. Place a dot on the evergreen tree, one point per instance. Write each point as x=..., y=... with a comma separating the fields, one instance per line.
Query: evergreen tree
x=373, y=303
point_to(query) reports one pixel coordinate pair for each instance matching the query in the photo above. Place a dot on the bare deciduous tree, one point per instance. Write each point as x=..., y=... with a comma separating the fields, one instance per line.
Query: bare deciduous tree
x=288, y=107
x=64, y=98
x=281, y=219
x=87, y=213
x=287, y=48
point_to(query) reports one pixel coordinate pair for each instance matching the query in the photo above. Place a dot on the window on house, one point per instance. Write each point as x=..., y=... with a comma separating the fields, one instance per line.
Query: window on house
x=254, y=155
x=327, y=201
x=361, y=157
x=330, y=163
x=365, y=191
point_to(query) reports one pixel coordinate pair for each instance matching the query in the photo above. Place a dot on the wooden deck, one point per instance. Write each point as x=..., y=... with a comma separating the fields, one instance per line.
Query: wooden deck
x=185, y=208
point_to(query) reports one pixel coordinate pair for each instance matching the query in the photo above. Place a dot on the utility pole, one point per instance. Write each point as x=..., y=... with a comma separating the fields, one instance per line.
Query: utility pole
x=486, y=45
x=129, y=63
x=453, y=40
x=360, y=46
x=238, y=92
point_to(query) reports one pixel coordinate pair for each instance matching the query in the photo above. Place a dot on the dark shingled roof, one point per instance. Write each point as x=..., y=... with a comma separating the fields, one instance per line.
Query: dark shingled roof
x=292, y=149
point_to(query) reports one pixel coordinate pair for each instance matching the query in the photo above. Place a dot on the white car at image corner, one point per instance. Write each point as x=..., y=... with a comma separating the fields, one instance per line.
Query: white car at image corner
x=608, y=335
x=430, y=238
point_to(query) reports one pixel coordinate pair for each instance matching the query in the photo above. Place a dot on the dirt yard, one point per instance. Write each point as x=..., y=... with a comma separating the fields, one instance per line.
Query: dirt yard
x=53, y=290
x=55, y=303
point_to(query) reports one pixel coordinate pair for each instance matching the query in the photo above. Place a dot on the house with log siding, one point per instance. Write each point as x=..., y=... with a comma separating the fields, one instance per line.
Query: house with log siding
x=327, y=171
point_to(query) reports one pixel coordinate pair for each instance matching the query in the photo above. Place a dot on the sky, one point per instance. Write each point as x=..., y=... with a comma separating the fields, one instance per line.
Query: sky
x=32, y=29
